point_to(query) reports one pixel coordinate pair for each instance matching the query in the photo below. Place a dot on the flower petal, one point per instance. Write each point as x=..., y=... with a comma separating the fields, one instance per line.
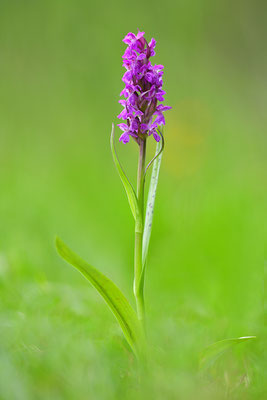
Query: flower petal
x=156, y=136
x=124, y=138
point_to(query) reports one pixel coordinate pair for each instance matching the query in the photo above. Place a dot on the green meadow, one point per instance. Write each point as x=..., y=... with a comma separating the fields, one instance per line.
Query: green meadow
x=60, y=79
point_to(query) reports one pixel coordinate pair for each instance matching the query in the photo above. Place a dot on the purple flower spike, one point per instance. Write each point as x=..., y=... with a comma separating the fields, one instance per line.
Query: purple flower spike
x=142, y=92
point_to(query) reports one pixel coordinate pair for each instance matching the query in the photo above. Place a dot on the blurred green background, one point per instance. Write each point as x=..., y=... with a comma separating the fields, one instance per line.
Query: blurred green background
x=60, y=79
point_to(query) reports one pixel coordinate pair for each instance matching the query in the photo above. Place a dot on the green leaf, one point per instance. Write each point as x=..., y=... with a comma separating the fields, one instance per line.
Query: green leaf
x=126, y=183
x=115, y=299
x=151, y=204
x=212, y=352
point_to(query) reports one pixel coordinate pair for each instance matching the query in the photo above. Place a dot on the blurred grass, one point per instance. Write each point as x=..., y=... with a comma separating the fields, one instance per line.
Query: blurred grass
x=60, y=72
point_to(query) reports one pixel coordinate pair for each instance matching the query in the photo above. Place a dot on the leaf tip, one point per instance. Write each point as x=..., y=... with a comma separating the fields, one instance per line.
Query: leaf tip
x=59, y=246
x=112, y=133
x=57, y=241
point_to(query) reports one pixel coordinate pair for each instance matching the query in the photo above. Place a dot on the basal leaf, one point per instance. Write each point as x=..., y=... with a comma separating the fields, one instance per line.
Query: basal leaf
x=115, y=299
x=212, y=352
x=126, y=183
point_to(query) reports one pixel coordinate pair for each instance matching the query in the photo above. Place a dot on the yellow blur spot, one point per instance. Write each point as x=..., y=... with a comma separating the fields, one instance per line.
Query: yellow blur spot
x=188, y=125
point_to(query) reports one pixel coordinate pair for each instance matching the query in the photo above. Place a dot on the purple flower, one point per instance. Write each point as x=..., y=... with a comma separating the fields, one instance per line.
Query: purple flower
x=142, y=91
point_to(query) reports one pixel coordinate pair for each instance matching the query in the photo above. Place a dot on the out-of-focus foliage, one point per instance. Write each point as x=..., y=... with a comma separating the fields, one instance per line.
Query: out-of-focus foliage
x=60, y=76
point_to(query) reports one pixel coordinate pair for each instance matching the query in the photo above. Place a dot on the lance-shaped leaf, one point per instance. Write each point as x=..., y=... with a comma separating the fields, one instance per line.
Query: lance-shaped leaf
x=150, y=210
x=211, y=353
x=115, y=299
x=126, y=183
x=151, y=203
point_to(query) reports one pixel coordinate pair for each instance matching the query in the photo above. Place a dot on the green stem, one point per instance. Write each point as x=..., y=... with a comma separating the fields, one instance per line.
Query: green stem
x=139, y=229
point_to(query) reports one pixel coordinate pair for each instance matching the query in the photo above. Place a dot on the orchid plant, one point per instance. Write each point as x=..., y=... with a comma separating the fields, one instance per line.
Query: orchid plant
x=143, y=116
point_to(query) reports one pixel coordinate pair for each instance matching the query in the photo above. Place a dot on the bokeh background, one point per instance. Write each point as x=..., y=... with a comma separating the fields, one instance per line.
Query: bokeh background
x=60, y=79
